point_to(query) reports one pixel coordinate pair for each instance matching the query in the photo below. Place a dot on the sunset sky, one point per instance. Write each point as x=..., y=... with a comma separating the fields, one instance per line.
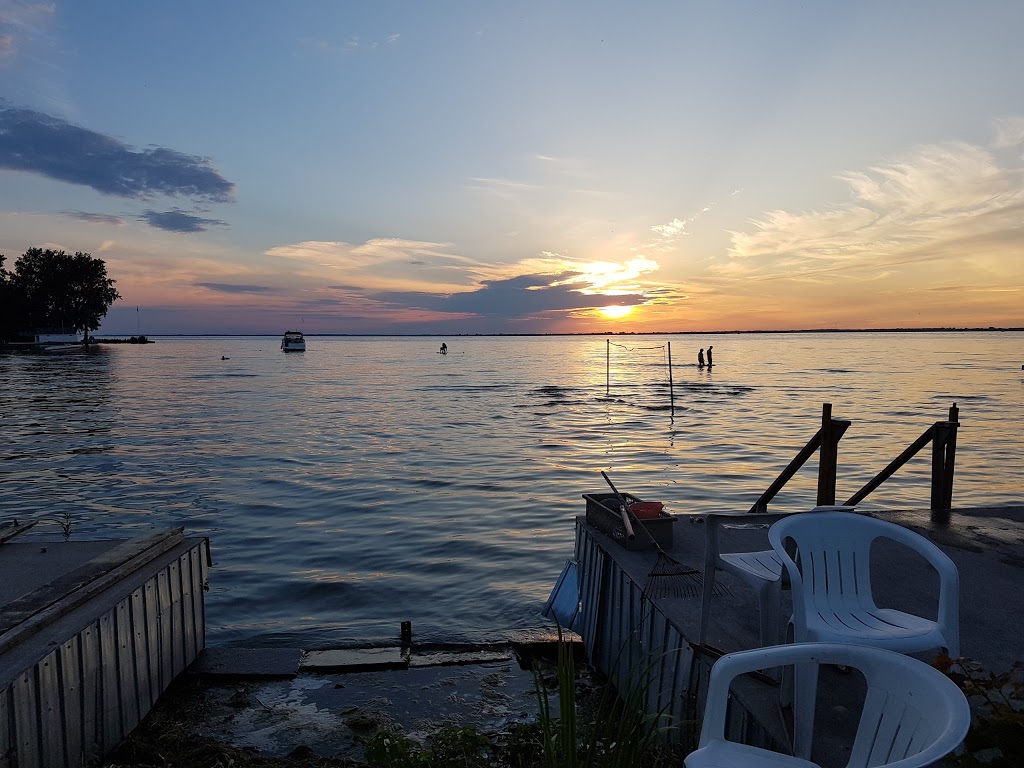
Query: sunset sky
x=480, y=167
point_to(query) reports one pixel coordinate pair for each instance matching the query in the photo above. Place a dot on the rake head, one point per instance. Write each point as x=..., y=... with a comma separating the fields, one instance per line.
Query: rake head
x=670, y=578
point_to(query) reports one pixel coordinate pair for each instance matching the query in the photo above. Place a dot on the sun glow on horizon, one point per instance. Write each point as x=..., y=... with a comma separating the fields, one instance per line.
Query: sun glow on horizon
x=616, y=311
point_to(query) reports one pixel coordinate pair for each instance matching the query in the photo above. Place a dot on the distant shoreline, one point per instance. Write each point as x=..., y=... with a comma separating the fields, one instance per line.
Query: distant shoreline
x=990, y=329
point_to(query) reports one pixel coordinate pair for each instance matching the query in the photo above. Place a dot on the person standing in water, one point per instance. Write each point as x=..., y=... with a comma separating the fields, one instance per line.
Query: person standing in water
x=709, y=357
x=700, y=358
x=444, y=348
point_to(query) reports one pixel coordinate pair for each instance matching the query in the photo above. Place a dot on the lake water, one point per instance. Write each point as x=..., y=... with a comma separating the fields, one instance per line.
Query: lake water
x=371, y=480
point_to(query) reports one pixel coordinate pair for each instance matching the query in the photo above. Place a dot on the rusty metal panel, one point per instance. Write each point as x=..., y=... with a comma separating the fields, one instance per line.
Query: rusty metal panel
x=109, y=720
x=140, y=651
x=203, y=553
x=6, y=736
x=128, y=688
x=151, y=610
x=26, y=720
x=591, y=560
x=92, y=691
x=70, y=670
x=166, y=630
x=198, y=619
x=629, y=638
x=93, y=687
x=51, y=726
x=177, y=641
x=188, y=626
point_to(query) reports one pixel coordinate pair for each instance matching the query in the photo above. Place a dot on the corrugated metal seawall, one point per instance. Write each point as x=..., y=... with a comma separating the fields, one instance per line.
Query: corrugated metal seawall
x=83, y=696
x=629, y=638
x=644, y=650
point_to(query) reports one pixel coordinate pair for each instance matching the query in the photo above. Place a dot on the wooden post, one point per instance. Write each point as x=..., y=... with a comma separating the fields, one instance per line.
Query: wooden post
x=671, y=388
x=827, y=458
x=943, y=465
x=947, y=479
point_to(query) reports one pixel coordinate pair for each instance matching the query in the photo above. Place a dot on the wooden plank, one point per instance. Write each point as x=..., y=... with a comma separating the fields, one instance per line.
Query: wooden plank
x=26, y=721
x=128, y=689
x=50, y=715
x=110, y=717
x=198, y=591
x=70, y=671
x=140, y=651
x=92, y=691
x=30, y=613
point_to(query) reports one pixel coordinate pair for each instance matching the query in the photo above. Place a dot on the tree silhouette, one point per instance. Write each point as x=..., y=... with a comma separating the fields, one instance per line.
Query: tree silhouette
x=55, y=289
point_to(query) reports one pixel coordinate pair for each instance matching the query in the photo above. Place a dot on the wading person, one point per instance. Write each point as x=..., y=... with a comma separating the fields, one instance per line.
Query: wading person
x=709, y=357
x=700, y=358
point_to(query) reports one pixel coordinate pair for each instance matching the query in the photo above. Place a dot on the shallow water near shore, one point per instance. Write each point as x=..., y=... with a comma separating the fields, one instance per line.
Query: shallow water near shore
x=370, y=480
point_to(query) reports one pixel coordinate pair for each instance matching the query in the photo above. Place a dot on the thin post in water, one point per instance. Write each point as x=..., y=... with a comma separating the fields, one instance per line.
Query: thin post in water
x=671, y=387
x=607, y=367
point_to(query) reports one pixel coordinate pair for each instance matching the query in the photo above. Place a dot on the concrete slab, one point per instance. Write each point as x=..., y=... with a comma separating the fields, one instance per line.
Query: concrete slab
x=353, y=660
x=247, y=663
x=329, y=713
x=25, y=567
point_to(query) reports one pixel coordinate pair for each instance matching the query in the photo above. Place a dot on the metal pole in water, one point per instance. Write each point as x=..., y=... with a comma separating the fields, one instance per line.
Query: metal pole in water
x=607, y=367
x=671, y=388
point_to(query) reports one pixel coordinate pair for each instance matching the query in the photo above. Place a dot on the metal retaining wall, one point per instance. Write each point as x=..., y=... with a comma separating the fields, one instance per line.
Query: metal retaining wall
x=82, y=698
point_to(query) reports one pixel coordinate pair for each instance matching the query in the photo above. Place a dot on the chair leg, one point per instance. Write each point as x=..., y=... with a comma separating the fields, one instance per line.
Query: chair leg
x=786, y=685
x=805, y=677
x=769, y=597
x=705, y=603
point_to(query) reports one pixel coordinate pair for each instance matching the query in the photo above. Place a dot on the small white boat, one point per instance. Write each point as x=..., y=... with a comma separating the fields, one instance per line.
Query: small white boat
x=293, y=341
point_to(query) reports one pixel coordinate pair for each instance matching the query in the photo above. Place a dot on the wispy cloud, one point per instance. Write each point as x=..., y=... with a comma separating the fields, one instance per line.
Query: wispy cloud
x=34, y=142
x=505, y=189
x=373, y=263
x=938, y=202
x=521, y=297
x=448, y=286
x=21, y=25
x=1009, y=132
x=95, y=218
x=351, y=44
x=232, y=288
x=179, y=221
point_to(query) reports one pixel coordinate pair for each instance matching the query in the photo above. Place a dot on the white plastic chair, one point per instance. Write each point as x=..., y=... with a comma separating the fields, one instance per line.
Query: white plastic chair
x=913, y=715
x=832, y=598
x=761, y=571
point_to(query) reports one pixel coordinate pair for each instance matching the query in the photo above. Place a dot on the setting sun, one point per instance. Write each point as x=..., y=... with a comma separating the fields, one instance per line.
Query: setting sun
x=615, y=312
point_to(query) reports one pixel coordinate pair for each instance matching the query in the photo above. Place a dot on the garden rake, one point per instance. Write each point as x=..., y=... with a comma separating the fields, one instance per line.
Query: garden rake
x=668, y=577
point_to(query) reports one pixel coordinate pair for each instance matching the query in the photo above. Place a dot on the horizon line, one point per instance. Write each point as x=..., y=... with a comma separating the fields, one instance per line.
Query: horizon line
x=935, y=329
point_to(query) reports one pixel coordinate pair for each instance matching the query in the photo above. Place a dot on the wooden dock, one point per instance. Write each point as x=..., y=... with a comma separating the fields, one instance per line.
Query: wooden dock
x=91, y=633
x=637, y=640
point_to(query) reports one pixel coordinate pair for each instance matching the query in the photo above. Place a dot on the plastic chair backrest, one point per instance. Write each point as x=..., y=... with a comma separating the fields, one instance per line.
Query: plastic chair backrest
x=834, y=552
x=913, y=715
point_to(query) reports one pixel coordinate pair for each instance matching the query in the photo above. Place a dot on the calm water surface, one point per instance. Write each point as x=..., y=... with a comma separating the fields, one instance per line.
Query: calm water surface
x=372, y=480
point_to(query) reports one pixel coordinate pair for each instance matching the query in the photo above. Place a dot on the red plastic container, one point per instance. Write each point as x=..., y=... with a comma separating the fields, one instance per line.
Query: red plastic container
x=646, y=510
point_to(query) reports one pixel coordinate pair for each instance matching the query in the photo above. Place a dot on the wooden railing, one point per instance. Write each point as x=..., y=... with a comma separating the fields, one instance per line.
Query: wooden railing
x=942, y=436
x=827, y=439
